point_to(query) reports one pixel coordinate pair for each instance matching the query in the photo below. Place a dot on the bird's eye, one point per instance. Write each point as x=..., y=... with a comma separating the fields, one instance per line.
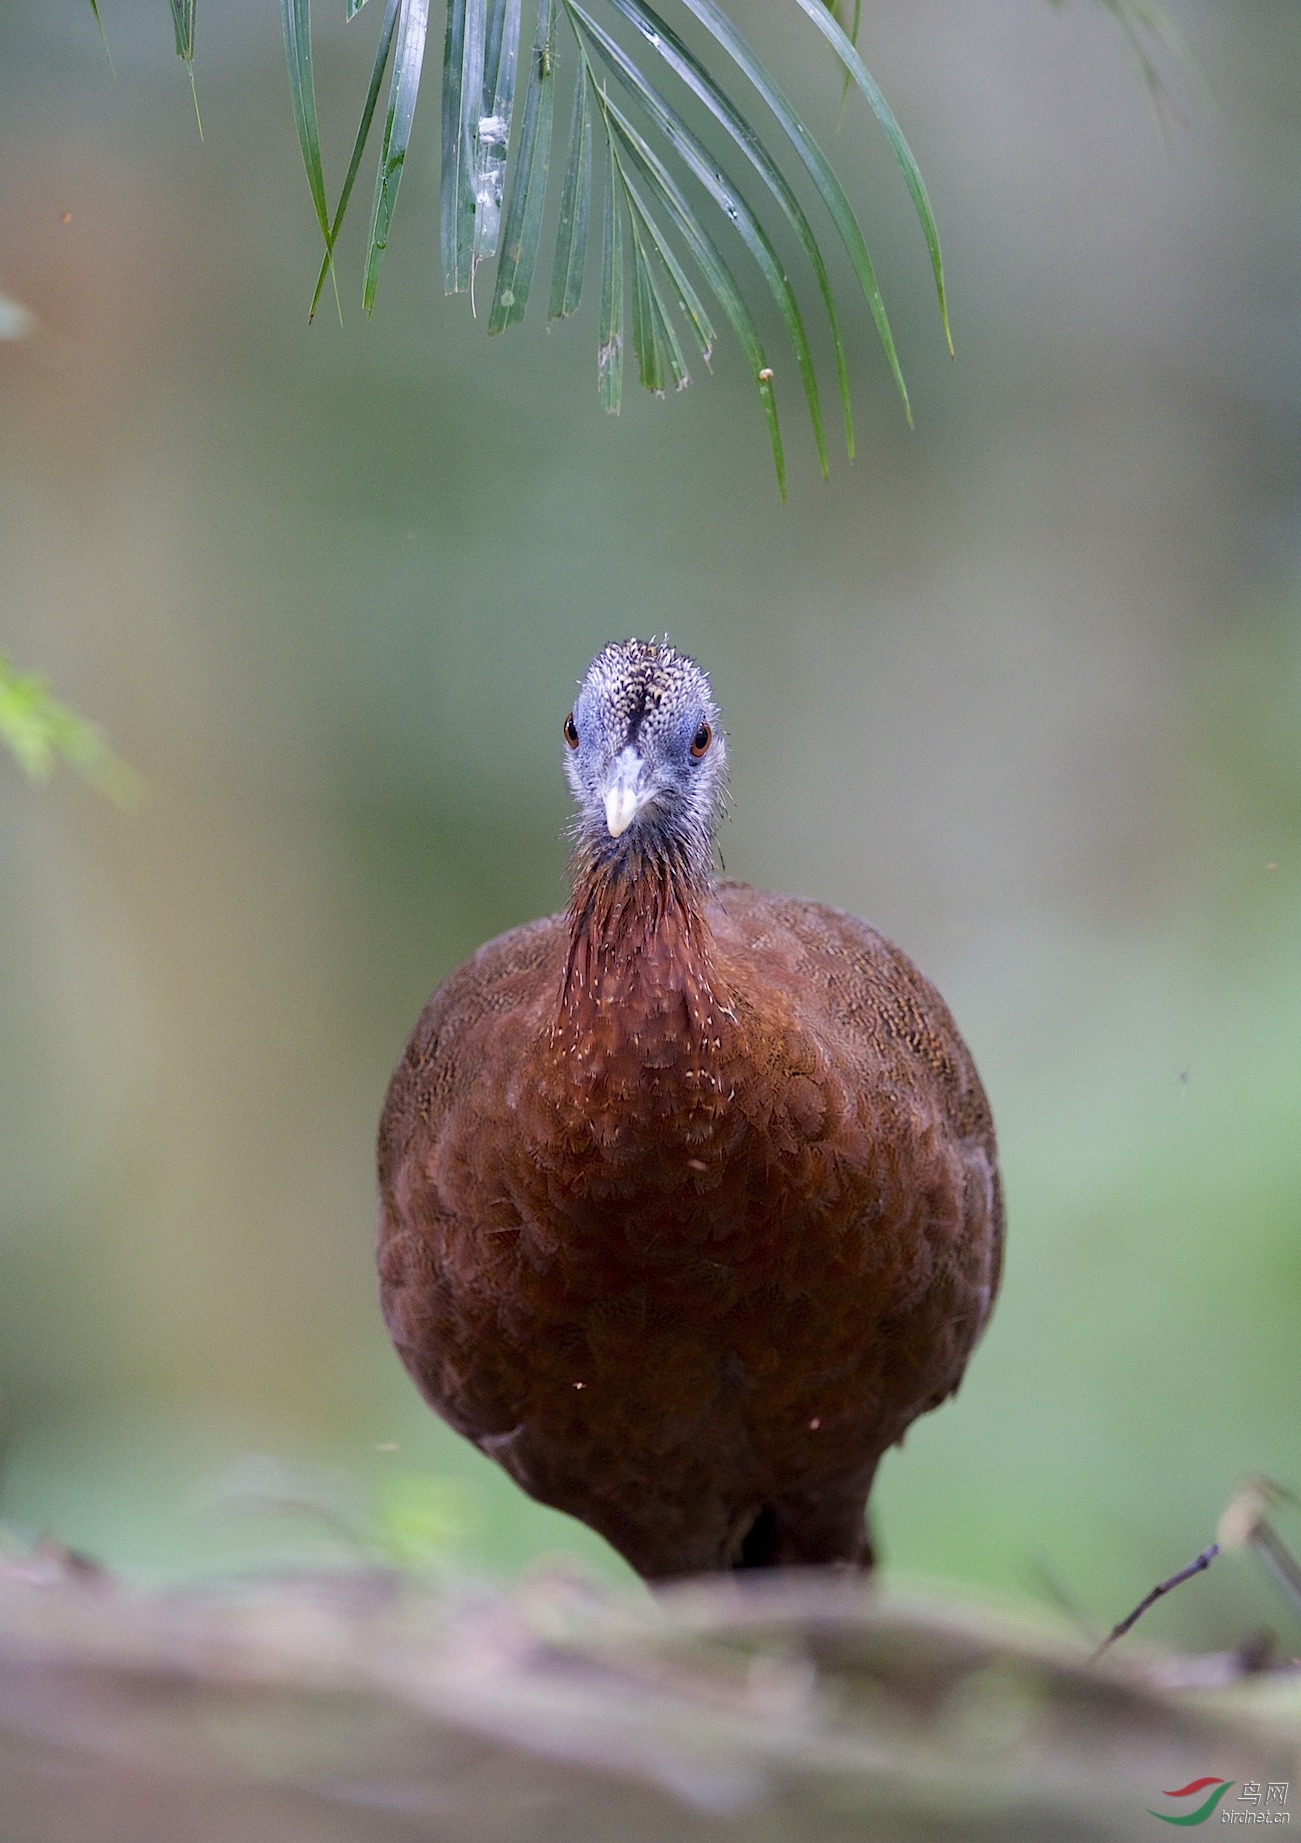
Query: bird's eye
x=701, y=740
x=571, y=731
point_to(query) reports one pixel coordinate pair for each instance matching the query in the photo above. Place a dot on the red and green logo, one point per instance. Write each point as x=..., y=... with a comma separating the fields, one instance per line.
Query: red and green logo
x=1203, y=1811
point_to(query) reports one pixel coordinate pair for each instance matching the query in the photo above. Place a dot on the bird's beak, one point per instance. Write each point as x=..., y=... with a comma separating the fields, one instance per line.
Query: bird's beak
x=624, y=797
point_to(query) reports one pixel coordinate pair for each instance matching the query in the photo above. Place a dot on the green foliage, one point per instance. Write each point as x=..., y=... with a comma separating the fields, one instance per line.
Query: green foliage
x=183, y=27
x=103, y=36
x=648, y=142
x=421, y=1520
x=649, y=150
x=1143, y=21
x=415, y=1522
x=42, y=732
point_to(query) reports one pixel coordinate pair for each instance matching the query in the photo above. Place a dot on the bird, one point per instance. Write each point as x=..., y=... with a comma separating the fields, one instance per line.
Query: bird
x=689, y=1194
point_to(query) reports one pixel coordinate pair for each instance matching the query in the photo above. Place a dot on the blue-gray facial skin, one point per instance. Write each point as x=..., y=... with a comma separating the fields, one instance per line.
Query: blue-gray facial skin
x=646, y=757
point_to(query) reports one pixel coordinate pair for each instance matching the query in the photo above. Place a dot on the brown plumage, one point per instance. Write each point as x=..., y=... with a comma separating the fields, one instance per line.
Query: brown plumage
x=689, y=1195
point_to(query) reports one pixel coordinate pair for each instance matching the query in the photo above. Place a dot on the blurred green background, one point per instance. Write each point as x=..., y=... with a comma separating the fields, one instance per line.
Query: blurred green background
x=1024, y=687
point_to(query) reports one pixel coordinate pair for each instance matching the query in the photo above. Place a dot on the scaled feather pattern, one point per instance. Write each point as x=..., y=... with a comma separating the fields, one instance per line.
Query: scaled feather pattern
x=689, y=1195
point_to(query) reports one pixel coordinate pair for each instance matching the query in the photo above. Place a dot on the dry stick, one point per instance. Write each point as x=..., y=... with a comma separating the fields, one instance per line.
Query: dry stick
x=1204, y=1560
x=1243, y=1525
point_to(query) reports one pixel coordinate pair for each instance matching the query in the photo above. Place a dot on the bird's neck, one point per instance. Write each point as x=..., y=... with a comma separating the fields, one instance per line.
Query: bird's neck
x=640, y=974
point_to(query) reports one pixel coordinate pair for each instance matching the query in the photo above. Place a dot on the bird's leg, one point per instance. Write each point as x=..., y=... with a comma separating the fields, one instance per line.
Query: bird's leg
x=822, y=1524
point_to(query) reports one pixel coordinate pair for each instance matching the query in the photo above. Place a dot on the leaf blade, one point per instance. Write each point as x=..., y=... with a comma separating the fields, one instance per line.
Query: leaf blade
x=713, y=267
x=404, y=86
x=359, y=142
x=501, y=53
x=460, y=238
x=575, y=207
x=689, y=70
x=728, y=199
x=689, y=301
x=183, y=27
x=663, y=331
x=655, y=341
x=834, y=34
x=296, y=25
x=449, y=177
x=609, y=353
x=528, y=184
x=645, y=344
x=103, y=36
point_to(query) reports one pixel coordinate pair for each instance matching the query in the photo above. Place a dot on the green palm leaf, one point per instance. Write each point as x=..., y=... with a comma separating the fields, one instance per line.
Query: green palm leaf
x=362, y=136
x=575, y=204
x=404, y=87
x=478, y=140
x=697, y=79
x=609, y=353
x=528, y=191
x=659, y=354
x=183, y=27
x=103, y=35
x=295, y=22
x=688, y=300
x=670, y=204
x=500, y=53
x=729, y=199
x=834, y=33
x=830, y=190
x=712, y=266
x=457, y=210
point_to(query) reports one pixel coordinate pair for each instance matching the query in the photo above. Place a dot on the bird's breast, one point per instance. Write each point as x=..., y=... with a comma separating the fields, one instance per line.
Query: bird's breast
x=674, y=1120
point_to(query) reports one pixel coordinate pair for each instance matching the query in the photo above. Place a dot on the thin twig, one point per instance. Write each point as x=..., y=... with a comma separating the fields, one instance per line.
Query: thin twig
x=1204, y=1560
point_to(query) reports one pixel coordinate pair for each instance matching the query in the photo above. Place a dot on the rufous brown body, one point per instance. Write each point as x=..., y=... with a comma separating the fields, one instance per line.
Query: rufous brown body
x=689, y=1195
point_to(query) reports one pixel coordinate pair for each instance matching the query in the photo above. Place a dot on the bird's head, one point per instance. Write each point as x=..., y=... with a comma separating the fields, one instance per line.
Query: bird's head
x=645, y=757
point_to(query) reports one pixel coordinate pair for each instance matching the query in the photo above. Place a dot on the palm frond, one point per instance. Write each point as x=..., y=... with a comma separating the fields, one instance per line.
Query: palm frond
x=499, y=56
x=480, y=52
x=296, y=25
x=183, y=27
x=709, y=259
x=671, y=200
x=575, y=204
x=361, y=137
x=701, y=165
x=743, y=137
x=834, y=33
x=408, y=56
x=609, y=353
x=528, y=193
x=689, y=303
x=103, y=35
